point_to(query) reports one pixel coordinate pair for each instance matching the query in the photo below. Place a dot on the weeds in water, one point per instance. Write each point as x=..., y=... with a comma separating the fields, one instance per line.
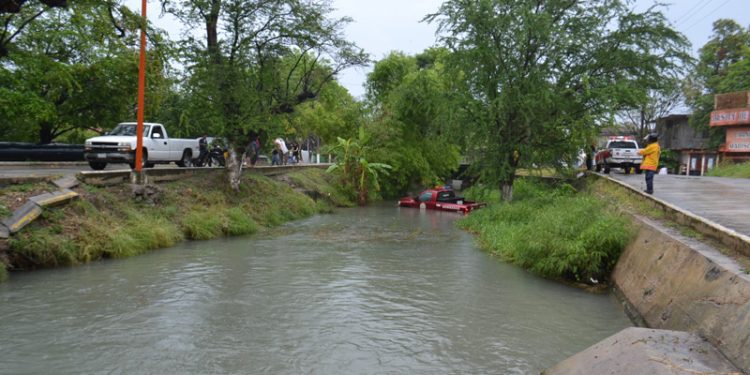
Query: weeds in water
x=553, y=231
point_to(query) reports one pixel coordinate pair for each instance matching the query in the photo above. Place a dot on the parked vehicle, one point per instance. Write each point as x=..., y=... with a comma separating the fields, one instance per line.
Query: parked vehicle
x=118, y=146
x=620, y=152
x=442, y=198
x=216, y=156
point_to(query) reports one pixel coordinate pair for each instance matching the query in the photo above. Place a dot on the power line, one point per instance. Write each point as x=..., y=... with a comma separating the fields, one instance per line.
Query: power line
x=708, y=14
x=693, y=11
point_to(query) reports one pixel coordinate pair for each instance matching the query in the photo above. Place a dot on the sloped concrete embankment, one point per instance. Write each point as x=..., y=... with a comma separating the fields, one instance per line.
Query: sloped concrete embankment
x=677, y=283
x=688, y=292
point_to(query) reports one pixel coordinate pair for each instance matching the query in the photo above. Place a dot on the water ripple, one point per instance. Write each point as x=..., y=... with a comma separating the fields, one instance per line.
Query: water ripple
x=365, y=291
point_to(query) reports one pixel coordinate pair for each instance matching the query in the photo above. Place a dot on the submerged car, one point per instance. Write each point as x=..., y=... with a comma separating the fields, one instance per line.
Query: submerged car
x=442, y=198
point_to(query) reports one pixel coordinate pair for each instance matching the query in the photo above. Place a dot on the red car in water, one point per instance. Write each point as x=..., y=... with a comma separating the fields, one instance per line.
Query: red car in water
x=440, y=199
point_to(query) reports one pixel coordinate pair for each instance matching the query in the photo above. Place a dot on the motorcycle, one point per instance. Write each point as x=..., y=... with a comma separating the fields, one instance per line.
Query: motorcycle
x=216, y=156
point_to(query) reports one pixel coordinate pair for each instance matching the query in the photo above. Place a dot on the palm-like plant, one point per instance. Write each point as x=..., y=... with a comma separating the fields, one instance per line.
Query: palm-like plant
x=356, y=171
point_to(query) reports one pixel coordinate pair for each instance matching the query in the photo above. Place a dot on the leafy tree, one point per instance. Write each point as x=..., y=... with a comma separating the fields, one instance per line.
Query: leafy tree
x=414, y=114
x=723, y=66
x=70, y=70
x=353, y=166
x=542, y=75
x=241, y=79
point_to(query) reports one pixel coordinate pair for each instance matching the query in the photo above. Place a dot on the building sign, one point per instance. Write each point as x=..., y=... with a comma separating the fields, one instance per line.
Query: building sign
x=728, y=117
x=738, y=140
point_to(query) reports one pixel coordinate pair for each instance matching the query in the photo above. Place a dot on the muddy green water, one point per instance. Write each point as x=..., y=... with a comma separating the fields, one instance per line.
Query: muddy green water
x=379, y=290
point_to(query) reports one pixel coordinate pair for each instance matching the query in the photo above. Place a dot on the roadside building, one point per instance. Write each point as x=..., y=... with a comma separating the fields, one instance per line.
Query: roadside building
x=691, y=145
x=732, y=112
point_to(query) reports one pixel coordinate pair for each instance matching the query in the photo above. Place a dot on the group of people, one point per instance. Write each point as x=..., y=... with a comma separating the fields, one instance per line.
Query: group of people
x=281, y=155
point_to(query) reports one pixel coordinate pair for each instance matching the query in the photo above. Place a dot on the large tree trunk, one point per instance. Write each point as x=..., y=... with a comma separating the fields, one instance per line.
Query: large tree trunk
x=212, y=34
x=506, y=189
x=46, y=133
x=234, y=169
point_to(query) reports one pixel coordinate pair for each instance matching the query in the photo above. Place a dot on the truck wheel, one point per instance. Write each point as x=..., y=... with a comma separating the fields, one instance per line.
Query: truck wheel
x=606, y=169
x=598, y=167
x=186, y=161
x=97, y=165
x=144, y=161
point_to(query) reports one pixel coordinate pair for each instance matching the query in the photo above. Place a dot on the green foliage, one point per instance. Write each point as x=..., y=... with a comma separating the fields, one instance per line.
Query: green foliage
x=70, y=70
x=736, y=170
x=239, y=223
x=553, y=231
x=252, y=75
x=724, y=66
x=106, y=224
x=3, y=272
x=4, y=211
x=540, y=79
x=202, y=224
x=670, y=159
x=353, y=167
x=415, y=118
x=323, y=187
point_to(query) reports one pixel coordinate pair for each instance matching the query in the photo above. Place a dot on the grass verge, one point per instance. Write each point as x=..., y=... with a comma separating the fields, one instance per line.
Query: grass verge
x=553, y=231
x=110, y=223
x=736, y=170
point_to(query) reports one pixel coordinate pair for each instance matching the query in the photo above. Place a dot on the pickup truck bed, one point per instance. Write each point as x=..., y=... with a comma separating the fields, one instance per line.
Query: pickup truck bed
x=620, y=152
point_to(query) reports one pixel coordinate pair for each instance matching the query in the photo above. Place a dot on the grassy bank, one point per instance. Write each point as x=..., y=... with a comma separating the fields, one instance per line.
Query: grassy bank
x=111, y=223
x=553, y=231
x=736, y=170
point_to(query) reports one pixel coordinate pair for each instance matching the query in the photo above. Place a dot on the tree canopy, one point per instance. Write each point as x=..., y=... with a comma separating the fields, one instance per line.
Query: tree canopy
x=723, y=66
x=541, y=76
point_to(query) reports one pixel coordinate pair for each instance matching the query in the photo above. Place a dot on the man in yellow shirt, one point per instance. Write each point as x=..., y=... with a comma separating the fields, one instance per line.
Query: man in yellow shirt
x=650, y=160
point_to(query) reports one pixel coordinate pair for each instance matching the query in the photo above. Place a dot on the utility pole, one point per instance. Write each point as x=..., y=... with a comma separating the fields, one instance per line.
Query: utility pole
x=141, y=91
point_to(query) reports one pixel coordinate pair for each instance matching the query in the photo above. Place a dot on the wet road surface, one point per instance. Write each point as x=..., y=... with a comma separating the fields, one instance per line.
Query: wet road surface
x=718, y=199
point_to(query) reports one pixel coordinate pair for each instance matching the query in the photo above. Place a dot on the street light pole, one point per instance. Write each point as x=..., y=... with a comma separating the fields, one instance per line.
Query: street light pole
x=141, y=91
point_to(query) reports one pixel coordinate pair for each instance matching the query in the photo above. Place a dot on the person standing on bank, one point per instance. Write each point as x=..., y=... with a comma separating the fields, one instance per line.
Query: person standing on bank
x=203, y=150
x=283, y=151
x=650, y=160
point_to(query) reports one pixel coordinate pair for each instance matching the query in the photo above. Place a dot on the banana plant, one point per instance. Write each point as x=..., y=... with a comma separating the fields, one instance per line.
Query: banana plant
x=356, y=171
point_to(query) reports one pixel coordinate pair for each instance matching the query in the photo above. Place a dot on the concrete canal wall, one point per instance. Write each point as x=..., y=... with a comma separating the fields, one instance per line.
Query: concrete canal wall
x=670, y=282
x=677, y=283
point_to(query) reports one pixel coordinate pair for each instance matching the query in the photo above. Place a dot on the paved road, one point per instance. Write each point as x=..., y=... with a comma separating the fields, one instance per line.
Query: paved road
x=14, y=170
x=719, y=199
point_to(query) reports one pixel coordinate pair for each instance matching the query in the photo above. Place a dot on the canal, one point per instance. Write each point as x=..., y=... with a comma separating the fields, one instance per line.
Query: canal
x=363, y=291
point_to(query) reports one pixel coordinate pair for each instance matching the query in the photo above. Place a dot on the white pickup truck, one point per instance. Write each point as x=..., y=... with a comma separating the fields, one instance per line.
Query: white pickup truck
x=620, y=152
x=118, y=146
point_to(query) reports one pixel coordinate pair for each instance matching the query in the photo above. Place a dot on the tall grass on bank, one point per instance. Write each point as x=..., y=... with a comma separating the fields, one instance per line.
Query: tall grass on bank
x=109, y=223
x=554, y=232
x=736, y=170
x=3, y=272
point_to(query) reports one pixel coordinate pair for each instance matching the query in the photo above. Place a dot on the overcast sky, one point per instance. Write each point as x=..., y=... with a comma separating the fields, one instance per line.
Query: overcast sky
x=394, y=25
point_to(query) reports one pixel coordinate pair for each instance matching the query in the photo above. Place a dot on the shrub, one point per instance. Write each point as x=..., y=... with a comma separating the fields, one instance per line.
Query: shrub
x=202, y=225
x=554, y=232
x=239, y=223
